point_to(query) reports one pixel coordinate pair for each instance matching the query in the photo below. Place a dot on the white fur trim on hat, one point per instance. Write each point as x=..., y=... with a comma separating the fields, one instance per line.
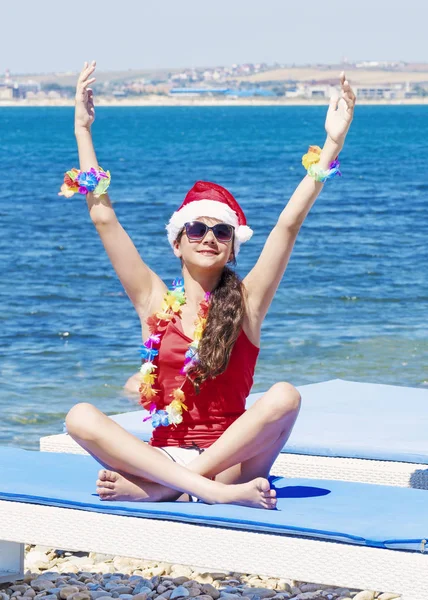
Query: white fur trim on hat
x=244, y=233
x=207, y=208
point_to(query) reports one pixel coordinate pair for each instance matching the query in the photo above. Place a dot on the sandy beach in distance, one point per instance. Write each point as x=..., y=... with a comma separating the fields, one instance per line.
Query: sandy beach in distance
x=154, y=100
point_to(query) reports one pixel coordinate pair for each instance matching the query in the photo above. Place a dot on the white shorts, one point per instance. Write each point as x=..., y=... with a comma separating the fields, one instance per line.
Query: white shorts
x=181, y=456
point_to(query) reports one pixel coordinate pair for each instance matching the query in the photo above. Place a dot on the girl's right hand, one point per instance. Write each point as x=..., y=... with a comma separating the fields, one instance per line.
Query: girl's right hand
x=84, y=114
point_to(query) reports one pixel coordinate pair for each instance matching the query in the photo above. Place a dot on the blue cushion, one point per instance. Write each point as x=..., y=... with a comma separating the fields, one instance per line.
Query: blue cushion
x=346, y=419
x=372, y=515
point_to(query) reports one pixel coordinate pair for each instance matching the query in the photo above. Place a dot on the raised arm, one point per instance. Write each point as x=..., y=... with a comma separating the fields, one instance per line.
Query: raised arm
x=142, y=285
x=263, y=280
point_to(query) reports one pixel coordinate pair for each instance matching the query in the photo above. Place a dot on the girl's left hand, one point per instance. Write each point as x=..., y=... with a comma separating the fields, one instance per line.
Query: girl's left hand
x=340, y=113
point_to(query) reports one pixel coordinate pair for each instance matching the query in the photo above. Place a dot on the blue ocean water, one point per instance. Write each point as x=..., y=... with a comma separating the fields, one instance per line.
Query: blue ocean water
x=354, y=300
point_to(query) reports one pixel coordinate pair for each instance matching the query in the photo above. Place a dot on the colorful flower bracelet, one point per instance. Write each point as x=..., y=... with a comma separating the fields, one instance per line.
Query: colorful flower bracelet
x=96, y=181
x=311, y=160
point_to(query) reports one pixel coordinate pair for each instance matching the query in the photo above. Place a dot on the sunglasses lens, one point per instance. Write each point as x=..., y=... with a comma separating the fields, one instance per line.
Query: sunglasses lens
x=223, y=232
x=196, y=230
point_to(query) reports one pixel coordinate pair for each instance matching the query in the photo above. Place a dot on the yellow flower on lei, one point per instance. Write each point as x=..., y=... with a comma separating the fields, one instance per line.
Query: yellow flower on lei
x=311, y=157
x=178, y=404
x=171, y=302
x=199, y=330
x=147, y=391
x=164, y=316
x=148, y=378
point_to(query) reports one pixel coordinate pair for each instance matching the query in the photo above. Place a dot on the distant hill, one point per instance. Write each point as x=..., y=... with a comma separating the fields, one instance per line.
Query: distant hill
x=412, y=73
x=328, y=74
x=69, y=78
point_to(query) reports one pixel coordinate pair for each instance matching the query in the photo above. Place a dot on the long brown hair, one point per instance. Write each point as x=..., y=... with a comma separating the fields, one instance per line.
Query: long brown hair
x=224, y=323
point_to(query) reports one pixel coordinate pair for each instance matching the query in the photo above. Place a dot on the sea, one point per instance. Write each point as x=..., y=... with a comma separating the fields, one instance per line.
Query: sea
x=353, y=303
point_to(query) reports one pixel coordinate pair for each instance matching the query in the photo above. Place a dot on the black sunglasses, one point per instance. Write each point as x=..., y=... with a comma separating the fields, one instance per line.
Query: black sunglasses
x=196, y=231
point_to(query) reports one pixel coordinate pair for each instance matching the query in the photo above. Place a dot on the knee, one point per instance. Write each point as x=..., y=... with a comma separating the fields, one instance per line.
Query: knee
x=282, y=400
x=82, y=421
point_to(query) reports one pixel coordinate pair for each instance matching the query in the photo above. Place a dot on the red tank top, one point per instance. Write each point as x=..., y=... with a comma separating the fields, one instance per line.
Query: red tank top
x=220, y=401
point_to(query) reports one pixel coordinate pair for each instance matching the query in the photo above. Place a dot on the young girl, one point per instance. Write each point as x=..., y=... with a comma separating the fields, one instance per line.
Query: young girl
x=202, y=336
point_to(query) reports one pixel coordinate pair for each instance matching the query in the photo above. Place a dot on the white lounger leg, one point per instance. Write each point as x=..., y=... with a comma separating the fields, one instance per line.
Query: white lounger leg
x=11, y=561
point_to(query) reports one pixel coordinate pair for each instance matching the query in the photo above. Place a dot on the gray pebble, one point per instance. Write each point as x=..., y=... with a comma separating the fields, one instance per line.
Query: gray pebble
x=68, y=590
x=126, y=596
x=97, y=594
x=190, y=583
x=261, y=592
x=209, y=590
x=179, y=592
x=310, y=587
x=180, y=580
x=41, y=585
x=143, y=588
x=161, y=588
x=79, y=596
x=50, y=576
x=142, y=595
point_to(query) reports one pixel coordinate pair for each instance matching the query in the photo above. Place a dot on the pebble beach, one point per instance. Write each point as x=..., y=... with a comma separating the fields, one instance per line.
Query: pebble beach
x=52, y=574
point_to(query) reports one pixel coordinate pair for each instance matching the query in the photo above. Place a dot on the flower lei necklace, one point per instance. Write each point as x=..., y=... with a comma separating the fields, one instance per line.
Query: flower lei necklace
x=157, y=323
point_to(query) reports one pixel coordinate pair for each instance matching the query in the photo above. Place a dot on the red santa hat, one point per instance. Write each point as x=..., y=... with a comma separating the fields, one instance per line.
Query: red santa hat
x=207, y=199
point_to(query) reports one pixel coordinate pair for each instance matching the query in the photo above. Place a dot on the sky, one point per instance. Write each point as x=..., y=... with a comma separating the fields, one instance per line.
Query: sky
x=57, y=36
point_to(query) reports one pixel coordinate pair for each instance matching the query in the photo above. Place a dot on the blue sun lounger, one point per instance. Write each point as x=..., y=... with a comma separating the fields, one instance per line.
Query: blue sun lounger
x=332, y=532
x=349, y=431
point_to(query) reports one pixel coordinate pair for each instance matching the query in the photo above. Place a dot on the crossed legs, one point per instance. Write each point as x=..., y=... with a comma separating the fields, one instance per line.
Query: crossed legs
x=239, y=461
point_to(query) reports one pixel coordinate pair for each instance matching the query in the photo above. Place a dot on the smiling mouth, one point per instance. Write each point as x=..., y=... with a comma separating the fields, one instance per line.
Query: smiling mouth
x=210, y=252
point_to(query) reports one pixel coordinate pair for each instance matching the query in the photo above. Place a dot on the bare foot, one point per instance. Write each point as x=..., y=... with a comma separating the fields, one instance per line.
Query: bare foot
x=113, y=486
x=256, y=494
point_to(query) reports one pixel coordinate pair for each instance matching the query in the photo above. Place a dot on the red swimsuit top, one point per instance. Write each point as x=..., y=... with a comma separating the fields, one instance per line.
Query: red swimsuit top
x=220, y=401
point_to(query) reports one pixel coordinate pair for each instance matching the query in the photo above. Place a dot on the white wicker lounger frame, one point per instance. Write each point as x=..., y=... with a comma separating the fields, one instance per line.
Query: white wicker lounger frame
x=210, y=548
x=399, y=474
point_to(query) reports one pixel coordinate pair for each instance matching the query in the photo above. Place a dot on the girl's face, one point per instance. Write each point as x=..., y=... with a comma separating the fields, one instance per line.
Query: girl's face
x=208, y=252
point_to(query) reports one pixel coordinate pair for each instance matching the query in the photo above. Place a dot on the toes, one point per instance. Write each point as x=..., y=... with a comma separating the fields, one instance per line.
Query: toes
x=105, y=475
x=104, y=494
x=263, y=485
x=270, y=503
x=109, y=485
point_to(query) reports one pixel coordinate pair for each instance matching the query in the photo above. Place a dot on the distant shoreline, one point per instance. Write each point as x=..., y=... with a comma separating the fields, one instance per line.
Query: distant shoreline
x=167, y=101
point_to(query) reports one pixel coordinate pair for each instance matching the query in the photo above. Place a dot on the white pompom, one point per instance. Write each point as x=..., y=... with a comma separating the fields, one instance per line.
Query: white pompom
x=244, y=233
